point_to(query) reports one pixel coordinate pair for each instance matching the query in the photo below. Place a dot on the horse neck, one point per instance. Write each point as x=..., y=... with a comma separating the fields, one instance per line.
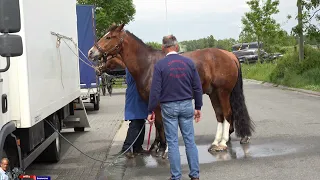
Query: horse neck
x=136, y=58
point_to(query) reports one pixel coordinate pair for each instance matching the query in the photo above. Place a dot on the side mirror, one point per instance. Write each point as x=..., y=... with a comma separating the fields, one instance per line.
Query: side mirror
x=10, y=22
x=10, y=45
x=10, y=16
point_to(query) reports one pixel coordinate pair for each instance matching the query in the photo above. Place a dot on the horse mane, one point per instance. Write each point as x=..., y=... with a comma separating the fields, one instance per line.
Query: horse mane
x=141, y=42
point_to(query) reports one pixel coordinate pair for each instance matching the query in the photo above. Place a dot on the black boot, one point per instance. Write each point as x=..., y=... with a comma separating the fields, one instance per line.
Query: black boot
x=140, y=151
x=128, y=154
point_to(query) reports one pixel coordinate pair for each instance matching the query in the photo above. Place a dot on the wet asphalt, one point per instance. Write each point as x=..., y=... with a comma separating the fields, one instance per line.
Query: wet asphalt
x=285, y=145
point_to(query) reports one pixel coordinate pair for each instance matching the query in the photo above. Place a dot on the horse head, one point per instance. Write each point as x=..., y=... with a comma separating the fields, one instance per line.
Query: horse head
x=109, y=45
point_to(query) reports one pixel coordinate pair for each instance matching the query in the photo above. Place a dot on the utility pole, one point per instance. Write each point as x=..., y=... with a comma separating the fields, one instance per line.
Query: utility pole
x=167, y=17
x=300, y=27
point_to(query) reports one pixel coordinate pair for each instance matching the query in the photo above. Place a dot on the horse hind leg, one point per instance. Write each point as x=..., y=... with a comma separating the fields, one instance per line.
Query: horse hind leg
x=231, y=130
x=224, y=97
x=219, y=115
x=244, y=126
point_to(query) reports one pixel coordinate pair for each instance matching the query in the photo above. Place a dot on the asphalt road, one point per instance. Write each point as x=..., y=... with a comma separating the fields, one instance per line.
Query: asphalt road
x=286, y=144
x=94, y=141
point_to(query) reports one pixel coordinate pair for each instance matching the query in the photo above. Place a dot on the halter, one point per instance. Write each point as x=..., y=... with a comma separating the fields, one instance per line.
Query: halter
x=105, y=53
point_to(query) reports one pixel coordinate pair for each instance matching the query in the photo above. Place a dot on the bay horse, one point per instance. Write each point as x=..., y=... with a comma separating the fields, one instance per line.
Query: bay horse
x=111, y=63
x=219, y=71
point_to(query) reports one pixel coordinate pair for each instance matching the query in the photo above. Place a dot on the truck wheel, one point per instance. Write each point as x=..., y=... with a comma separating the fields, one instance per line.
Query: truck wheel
x=78, y=129
x=52, y=153
x=96, y=106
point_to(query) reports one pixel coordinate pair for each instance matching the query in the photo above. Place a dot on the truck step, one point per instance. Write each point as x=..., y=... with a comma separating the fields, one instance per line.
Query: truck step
x=71, y=119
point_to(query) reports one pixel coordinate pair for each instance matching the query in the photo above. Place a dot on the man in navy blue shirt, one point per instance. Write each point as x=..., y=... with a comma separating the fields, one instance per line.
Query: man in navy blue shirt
x=136, y=111
x=175, y=83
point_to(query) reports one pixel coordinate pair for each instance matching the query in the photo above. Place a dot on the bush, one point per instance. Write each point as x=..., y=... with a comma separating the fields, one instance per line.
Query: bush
x=289, y=71
x=290, y=64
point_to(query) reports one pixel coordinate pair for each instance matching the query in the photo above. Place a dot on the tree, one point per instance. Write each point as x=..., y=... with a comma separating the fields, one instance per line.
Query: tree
x=226, y=44
x=307, y=11
x=155, y=45
x=110, y=11
x=259, y=24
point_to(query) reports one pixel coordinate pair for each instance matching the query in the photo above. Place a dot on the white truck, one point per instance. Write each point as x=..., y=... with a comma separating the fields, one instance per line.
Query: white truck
x=39, y=79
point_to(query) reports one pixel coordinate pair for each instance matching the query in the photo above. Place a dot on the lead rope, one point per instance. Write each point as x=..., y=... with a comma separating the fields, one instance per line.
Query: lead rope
x=59, y=36
x=102, y=161
x=60, y=60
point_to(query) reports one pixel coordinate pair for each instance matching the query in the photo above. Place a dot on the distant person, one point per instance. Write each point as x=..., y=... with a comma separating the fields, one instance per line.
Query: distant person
x=136, y=111
x=3, y=170
x=174, y=84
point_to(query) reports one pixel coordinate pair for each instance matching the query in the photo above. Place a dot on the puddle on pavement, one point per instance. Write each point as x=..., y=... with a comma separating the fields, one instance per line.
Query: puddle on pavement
x=236, y=151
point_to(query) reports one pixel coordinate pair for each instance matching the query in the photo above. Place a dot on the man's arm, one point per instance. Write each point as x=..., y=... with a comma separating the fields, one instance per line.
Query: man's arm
x=197, y=89
x=155, y=89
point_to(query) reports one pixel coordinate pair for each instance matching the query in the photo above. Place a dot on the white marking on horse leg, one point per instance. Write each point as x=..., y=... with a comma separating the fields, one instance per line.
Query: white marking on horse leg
x=225, y=136
x=165, y=154
x=218, y=134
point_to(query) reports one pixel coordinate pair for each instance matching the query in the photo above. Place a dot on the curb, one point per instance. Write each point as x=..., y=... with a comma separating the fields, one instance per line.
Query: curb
x=283, y=87
x=113, y=171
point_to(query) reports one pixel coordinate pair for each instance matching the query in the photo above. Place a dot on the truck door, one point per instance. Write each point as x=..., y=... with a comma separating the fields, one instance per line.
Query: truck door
x=10, y=46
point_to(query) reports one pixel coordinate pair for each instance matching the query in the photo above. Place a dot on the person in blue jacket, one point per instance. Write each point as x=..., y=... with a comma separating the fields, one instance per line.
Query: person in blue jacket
x=136, y=111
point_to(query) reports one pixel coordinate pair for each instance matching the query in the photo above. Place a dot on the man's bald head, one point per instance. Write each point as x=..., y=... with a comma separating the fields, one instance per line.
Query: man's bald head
x=170, y=43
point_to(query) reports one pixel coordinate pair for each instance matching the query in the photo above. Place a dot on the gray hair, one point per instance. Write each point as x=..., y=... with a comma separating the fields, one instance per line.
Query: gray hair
x=168, y=41
x=5, y=159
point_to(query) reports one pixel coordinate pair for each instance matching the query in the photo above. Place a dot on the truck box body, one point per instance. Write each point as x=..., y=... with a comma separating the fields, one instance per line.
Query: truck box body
x=46, y=77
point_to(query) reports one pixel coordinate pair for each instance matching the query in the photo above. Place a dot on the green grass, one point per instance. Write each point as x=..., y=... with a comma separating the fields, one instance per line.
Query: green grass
x=118, y=83
x=258, y=71
x=288, y=71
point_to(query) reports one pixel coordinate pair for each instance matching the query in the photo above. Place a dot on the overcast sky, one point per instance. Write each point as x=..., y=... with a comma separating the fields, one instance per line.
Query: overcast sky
x=194, y=19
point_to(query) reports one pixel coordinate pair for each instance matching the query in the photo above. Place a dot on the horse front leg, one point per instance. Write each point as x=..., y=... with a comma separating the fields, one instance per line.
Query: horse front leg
x=155, y=145
x=160, y=129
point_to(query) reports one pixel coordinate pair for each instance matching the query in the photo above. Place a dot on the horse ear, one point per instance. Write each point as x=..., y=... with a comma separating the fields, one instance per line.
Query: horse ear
x=121, y=27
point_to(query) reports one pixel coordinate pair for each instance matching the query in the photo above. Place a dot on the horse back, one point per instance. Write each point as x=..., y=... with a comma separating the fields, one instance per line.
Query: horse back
x=217, y=68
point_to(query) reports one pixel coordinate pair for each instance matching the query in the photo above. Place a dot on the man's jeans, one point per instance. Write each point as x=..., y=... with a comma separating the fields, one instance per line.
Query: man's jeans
x=180, y=113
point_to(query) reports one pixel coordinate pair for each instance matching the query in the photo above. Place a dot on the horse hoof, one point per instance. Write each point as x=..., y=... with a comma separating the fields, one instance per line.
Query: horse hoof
x=212, y=147
x=160, y=153
x=245, y=140
x=220, y=148
x=153, y=148
x=165, y=155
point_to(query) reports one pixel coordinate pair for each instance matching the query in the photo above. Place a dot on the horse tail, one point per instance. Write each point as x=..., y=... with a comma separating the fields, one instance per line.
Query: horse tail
x=240, y=116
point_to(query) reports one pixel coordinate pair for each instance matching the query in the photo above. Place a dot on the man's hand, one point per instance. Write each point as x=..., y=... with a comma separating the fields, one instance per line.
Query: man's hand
x=151, y=118
x=197, y=115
